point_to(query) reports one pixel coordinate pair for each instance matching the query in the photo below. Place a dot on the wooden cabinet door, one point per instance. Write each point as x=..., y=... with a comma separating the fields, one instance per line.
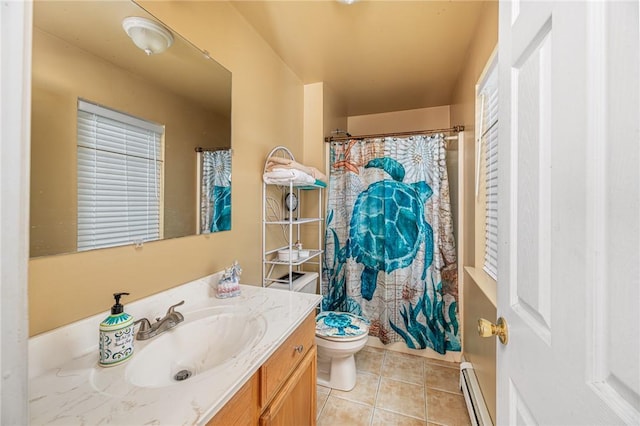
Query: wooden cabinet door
x=295, y=403
x=242, y=409
x=276, y=371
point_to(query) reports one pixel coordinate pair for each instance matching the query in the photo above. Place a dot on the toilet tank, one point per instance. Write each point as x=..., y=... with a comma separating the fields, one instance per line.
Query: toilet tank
x=307, y=283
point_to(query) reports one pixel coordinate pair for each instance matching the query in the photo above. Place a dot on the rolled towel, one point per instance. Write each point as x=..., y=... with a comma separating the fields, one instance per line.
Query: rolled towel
x=285, y=176
x=286, y=163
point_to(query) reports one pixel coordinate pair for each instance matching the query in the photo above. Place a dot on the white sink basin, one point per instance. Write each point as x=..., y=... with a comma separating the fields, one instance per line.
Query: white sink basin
x=206, y=340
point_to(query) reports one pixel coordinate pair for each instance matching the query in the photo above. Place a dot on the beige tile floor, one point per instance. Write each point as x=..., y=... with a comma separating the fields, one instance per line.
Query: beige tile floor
x=396, y=389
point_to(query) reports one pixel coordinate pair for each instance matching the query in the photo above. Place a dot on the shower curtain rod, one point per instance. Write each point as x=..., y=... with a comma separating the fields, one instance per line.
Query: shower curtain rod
x=454, y=129
x=201, y=149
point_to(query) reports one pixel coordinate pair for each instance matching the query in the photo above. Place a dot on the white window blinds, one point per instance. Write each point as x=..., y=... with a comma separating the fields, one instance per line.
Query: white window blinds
x=488, y=93
x=119, y=178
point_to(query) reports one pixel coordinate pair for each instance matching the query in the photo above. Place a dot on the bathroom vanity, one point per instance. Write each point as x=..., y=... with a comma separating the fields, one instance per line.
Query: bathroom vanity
x=283, y=390
x=253, y=360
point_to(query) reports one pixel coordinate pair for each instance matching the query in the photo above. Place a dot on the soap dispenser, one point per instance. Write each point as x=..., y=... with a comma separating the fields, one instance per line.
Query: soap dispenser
x=116, y=335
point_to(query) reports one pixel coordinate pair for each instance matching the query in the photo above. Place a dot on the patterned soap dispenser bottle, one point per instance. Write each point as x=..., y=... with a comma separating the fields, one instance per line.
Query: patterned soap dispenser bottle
x=116, y=335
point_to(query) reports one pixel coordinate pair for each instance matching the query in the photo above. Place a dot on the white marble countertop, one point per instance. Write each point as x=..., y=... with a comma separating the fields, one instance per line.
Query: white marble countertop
x=66, y=393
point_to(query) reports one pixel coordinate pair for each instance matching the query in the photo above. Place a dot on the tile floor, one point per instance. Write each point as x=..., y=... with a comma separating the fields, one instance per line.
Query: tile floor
x=396, y=389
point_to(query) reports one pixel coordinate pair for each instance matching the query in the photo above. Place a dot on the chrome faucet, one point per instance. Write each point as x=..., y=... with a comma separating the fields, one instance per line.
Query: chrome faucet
x=170, y=320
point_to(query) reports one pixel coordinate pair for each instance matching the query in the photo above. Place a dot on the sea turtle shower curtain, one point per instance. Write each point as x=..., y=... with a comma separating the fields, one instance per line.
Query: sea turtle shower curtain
x=215, y=191
x=389, y=247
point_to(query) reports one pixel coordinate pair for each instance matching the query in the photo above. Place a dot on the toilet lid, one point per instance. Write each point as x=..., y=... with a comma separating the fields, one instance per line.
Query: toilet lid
x=340, y=324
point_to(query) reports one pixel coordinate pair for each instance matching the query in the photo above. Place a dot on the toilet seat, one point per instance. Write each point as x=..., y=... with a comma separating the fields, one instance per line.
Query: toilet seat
x=341, y=326
x=341, y=338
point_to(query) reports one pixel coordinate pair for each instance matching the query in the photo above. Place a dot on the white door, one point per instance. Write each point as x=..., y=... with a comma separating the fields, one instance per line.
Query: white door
x=569, y=213
x=15, y=108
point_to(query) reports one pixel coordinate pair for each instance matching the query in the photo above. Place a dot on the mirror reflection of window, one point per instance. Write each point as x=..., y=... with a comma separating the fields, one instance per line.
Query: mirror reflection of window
x=119, y=178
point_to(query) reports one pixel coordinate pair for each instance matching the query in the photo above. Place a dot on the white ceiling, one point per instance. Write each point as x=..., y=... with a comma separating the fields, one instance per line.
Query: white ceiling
x=379, y=56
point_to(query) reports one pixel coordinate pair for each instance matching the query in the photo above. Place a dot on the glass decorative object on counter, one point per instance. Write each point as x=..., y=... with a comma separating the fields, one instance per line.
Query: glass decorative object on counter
x=229, y=284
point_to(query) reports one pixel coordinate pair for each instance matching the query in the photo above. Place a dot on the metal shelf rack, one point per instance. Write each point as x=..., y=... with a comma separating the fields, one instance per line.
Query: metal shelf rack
x=275, y=214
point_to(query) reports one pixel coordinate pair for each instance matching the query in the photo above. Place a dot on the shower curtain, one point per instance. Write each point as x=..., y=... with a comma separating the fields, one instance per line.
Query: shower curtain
x=389, y=247
x=215, y=191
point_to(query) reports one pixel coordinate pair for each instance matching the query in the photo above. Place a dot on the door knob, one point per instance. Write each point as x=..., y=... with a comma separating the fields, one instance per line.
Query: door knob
x=487, y=329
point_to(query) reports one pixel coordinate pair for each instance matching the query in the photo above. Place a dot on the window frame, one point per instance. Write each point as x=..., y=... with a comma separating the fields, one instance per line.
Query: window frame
x=486, y=222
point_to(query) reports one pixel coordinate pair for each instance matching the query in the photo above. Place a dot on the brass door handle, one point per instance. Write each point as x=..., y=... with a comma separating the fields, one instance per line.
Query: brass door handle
x=487, y=329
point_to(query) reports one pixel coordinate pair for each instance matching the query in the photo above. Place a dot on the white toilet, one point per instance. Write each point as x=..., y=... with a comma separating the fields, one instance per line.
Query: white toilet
x=339, y=336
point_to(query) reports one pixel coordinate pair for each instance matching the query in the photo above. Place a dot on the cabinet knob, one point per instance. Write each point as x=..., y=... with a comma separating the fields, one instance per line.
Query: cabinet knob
x=299, y=348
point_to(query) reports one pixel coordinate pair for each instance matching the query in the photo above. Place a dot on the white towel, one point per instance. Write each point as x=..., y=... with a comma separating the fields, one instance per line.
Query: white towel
x=285, y=176
x=285, y=163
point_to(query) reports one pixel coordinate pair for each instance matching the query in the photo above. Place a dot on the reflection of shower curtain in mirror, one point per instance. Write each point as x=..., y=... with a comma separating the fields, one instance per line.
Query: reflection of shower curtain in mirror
x=215, y=191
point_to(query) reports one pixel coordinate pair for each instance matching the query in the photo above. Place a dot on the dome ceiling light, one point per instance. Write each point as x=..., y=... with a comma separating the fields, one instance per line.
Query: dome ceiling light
x=150, y=36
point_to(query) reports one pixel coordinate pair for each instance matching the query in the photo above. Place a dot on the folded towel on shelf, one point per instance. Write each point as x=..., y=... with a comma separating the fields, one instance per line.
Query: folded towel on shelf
x=285, y=176
x=286, y=163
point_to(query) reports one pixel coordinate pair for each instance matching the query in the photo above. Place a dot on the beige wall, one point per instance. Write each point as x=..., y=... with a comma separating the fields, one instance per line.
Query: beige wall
x=62, y=73
x=400, y=121
x=335, y=112
x=324, y=111
x=267, y=110
x=475, y=304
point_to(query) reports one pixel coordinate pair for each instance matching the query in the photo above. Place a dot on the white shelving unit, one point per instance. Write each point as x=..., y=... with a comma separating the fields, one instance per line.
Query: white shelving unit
x=275, y=215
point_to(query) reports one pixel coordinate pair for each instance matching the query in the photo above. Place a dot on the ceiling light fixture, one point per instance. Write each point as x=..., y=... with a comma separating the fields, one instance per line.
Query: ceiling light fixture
x=148, y=35
x=348, y=1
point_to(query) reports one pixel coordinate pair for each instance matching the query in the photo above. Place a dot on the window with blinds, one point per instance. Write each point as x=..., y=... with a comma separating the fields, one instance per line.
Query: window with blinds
x=119, y=178
x=488, y=127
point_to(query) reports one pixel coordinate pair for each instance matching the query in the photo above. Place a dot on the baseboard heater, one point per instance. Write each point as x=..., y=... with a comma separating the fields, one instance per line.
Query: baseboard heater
x=478, y=412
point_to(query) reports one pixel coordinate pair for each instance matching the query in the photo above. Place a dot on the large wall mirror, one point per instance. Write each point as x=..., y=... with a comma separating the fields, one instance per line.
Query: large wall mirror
x=85, y=67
